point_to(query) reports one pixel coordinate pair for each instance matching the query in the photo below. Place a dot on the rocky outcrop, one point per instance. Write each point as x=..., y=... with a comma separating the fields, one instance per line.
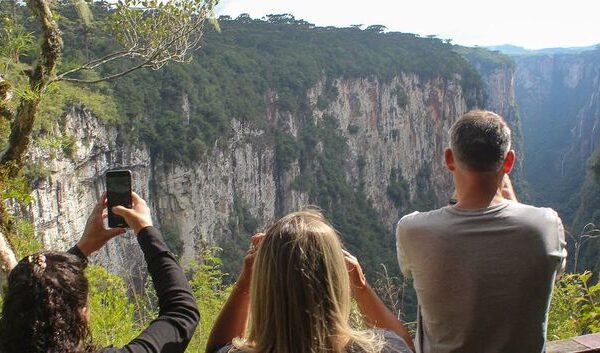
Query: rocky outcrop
x=498, y=76
x=70, y=184
x=399, y=125
x=393, y=126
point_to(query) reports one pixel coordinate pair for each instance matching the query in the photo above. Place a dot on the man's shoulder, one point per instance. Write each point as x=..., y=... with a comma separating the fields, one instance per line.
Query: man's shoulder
x=529, y=211
x=417, y=218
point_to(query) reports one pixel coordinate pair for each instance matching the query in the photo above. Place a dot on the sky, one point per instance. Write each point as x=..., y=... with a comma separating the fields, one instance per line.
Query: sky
x=532, y=24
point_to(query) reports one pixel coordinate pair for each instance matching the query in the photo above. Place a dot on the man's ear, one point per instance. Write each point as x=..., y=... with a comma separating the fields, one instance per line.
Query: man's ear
x=449, y=159
x=509, y=162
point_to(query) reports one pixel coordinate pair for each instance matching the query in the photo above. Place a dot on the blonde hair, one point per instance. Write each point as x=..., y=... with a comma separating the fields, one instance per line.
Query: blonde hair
x=300, y=293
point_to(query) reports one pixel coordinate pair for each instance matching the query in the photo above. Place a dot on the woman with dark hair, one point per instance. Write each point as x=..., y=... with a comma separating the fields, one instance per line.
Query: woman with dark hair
x=294, y=296
x=45, y=308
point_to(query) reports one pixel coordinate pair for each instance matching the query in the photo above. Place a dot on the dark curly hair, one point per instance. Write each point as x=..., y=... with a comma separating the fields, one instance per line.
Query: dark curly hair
x=43, y=307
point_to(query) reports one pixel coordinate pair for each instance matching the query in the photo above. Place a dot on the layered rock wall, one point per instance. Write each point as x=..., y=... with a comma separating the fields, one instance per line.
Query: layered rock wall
x=399, y=124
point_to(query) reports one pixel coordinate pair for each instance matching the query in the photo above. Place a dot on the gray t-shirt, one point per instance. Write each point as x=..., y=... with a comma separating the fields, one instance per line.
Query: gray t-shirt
x=393, y=344
x=483, y=278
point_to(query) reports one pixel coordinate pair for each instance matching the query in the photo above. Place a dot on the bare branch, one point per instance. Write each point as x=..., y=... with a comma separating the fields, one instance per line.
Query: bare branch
x=90, y=65
x=155, y=36
x=108, y=78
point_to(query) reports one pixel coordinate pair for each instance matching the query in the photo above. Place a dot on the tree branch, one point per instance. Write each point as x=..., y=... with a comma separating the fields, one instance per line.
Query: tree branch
x=90, y=65
x=22, y=126
x=111, y=77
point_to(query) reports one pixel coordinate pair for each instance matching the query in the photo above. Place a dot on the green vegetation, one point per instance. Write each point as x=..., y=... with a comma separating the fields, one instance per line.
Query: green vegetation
x=183, y=109
x=242, y=225
x=236, y=69
x=398, y=190
x=486, y=60
x=24, y=240
x=575, y=307
x=425, y=198
x=211, y=292
x=112, y=315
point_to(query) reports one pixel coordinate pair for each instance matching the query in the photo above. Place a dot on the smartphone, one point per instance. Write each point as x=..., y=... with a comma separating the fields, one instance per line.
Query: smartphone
x=118, y=193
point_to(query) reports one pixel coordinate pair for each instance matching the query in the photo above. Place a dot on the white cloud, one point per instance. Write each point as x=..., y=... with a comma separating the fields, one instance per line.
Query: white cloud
x=529, y=23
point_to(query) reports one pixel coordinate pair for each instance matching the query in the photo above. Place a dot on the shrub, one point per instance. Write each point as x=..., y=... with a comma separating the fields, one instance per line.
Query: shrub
x=112, y=320
x=575, y=307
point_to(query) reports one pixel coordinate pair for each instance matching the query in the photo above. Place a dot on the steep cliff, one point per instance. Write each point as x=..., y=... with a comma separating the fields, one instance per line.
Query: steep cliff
x=558, y=97
x=395, y=129
x=271, y=115
x=67, y=185
x=498, y=74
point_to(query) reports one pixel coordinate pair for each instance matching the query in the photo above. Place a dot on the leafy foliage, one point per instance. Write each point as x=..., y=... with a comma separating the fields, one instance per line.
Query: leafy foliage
x=14, y=39
x=112, y=315
x=242, y=65
x=398, y=190
x=24, y=241
x=575, y=307
x=207, y=281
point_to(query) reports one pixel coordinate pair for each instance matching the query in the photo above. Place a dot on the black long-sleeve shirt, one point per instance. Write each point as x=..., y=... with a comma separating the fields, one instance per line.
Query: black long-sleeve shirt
x=178, y=316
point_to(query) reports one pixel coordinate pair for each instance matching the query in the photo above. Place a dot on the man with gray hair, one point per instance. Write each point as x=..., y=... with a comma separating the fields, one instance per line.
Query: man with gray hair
x=483, y=268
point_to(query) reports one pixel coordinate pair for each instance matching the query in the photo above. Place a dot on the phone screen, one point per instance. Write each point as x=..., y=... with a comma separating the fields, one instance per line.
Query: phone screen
x=118, y=193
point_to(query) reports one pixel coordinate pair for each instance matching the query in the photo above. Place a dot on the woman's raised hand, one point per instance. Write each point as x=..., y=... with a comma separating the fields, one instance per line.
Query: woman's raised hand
x=137, y=217
x=246, y=273
x=358, y=280
x=95, y=234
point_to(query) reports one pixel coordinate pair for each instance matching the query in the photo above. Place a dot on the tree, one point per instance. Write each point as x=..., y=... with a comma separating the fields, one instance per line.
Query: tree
x=150, y=33
x=377, y=28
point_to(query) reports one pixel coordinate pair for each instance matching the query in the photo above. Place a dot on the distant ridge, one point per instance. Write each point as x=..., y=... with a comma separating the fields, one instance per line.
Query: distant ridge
x=514, y=50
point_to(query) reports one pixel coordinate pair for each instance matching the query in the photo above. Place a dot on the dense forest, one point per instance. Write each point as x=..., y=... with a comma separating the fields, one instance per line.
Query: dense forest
x=238, y=64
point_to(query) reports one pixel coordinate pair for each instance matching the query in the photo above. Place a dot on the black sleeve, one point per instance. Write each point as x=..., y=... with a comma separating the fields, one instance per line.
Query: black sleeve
x=77, y=252
x=178, y=316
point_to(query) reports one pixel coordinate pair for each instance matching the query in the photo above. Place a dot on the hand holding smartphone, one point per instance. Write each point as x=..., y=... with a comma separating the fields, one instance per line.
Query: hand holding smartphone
x=118, y=193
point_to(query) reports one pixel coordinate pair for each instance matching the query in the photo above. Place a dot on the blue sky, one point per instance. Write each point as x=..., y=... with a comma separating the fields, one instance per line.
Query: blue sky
x=532, y=24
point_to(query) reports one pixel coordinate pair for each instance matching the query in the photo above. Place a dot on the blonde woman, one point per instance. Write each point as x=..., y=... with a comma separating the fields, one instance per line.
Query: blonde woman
x=294, y=296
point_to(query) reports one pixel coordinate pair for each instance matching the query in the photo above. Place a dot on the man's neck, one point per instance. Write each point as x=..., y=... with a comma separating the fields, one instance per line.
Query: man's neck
x=476, y=192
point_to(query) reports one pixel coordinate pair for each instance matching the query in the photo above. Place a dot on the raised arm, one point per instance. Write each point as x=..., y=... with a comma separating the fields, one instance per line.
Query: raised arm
x=178, y=316
x=375, y=313
x=232, y=319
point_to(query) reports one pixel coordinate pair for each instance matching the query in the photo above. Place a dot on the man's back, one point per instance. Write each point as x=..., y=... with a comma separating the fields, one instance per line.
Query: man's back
x=483, y=277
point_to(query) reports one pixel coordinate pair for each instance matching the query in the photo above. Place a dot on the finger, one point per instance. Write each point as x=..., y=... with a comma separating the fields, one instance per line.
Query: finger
x=100, y=204
x=350, y=256
x=122, y=211
x=257, y=238
x=104, y=215
x=113, y=232
x=137, y=200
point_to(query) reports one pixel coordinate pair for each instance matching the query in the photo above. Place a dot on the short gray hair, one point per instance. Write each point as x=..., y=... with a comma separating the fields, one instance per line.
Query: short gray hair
x=480, y=140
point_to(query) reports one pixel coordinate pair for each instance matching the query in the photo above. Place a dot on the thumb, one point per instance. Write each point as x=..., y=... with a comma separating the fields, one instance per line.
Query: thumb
x=123, y=211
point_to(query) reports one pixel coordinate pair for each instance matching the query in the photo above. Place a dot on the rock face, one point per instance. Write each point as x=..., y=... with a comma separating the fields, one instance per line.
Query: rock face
x=396, y=126
x=63, y=199
x=559, y=100
x=499, y=81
